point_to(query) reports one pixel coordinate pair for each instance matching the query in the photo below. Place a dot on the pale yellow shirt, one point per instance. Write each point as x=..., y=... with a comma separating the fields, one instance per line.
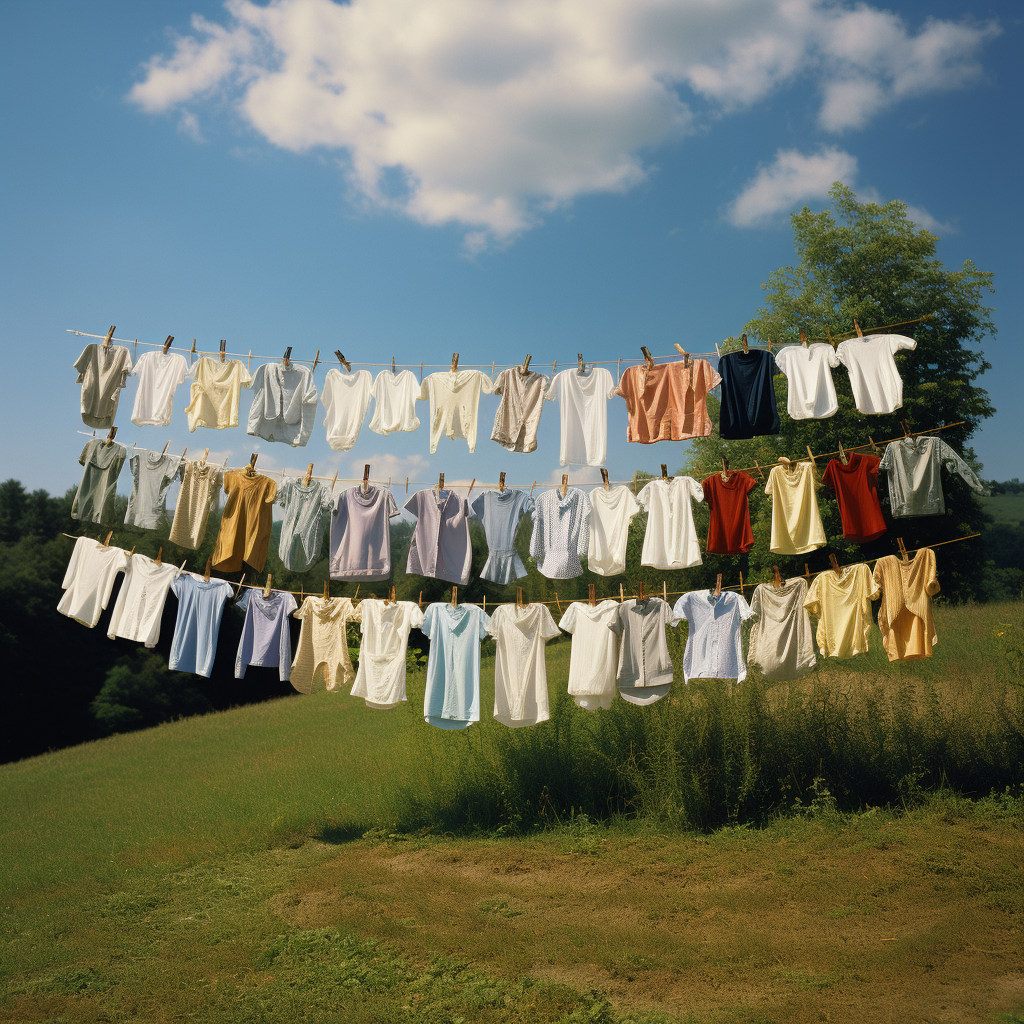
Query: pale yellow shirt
x=216, y=387
x=796, y=522
x=905, y=618
x=842, y=603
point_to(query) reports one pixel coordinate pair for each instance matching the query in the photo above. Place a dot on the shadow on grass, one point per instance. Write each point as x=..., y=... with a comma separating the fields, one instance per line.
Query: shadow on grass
x=338, y=835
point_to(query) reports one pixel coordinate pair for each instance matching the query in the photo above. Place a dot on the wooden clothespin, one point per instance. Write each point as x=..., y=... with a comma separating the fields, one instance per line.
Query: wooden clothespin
x=682, y=351
x=167, y=343
x=485, y=604
x=159, y=556
x=356, y=594
x=525, y=368
x=223, y=349
x=406, y=485
x=501, y=481
x=266, y=586
x=470, y=491
x=776, y=578
x=327, y=591
x=455, y=362
x=565, y=483
x=718, y=585
x=519, y=597
x=238, y=586
x=419, y=600
x=558, y=603
x=718, y=350
x=455, y=597
x=110, y=334
x=590, y=595
x=811, y=456
x=365, y=485
x=604, y=478
x=393, y=366
x=206, y=574
x=741, y=584
x=621, y=595
x=581, y=366
x=166, y=446
x=251, y=470
x=834, y=562
x=649, y=362
x=874, y=447
x=440, y=481
x=664, y=471
x=393, y=597
x=316, y=360
x=903, y=549
x=906, y=428
x=192, y=351
x=807, y=570
x=184, y=452
x=308, y=476
x=803, y=337
x=531, y=489
x=725, y=469
x=286, y=359
x=110, y=437
x=664, y=591
x=746, y=347
x=856, y=327
x=302, y=593
x=421, y=373
x=760, y=471
x=344, y=362
x=640, y=599
x=335, y=480
x=106, y=543
x=842, y=454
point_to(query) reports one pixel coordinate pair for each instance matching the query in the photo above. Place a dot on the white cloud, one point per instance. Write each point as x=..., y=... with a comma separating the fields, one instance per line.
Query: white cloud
x=923, y=219
x=489, y=113
x=188, y=125
x=792, y=177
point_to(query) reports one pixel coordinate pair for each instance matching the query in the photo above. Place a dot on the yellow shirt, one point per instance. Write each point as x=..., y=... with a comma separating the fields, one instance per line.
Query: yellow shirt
x=245, y=526
x=842, y=603
x=905, y=618
x=216, y=387
x=796, y=522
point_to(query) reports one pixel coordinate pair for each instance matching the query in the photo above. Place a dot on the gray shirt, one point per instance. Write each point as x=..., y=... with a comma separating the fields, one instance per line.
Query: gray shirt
x=781, y=641
x=102, y=463
x=500, y=512
x=518, y=415
x=361, y=534
x=283, y=404
x=440, y=544
x=307, y=513
x=914, y=468
x=152, y=476
x=645, y=667
x=102, y=372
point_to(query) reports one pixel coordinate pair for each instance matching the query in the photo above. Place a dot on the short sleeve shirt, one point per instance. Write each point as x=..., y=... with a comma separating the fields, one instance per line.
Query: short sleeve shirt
x=748, y=395
x=216, y=389
x=594, y=657
x=668, y=401
x=518, y=415
x=842, y=603
x=520, y=673
x=284, y=403
x=876, y=382
x=856, y=487
x=583, y=408
x=395, y=398
x=361, y=533
x=102, y=462
x=611, y=512
x=729, y=531
x=645, y=666
x=200, y=607
x=670, y=541
x=102, y=372
x=808, y=370
x=346, y=399
x=159, y=375
x=454, y=404
x=245, y=527
x=796, y=521
x=714, y=643
x=452, y=697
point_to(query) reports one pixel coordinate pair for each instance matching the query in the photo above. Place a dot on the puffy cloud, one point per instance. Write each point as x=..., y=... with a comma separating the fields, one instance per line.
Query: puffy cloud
x=791, y=178
x=488, y=113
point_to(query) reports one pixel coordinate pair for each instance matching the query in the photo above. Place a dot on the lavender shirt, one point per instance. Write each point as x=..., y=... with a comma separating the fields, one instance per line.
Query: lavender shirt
x=440, y=544
x=361, y=534
x=266, y=639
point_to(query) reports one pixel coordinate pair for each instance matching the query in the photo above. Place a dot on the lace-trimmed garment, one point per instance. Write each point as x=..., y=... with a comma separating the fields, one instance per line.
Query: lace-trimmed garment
x=500, y=513
x=561, y=533
x=520, y=673
x=322, y=652
x=905, y=616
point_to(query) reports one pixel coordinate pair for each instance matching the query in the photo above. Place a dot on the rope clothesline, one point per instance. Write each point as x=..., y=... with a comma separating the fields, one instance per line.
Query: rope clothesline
x=479, y=366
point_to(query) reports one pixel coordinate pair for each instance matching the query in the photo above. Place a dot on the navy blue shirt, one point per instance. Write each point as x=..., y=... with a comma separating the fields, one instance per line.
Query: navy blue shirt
x=748, y=395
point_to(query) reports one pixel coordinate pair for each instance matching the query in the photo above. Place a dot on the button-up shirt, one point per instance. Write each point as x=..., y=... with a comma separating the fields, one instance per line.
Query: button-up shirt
x=714, y=644
x=440, y=545
x=645, y=666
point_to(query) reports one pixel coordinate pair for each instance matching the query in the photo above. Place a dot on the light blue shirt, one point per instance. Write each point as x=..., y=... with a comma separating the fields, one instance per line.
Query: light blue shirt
x=452, y=700
x=200, y=607
x=266, y=637
x=714, y=644
x=500, y=511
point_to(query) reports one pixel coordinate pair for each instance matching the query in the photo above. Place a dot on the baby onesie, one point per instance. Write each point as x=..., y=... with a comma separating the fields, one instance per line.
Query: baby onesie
x=322, y=652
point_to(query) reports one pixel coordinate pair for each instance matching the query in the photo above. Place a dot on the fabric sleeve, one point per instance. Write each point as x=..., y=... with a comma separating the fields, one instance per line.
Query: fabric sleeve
x=833, y=358
x=290, y=604
x=498, y=384
x=467, y=509
x=695, y=488
x=85, y=453
x=72, y=568
x=415, y=616
x=886, y=460
x=842, y=351
x=644, y=496
x=812, y=602
x=681, y=610
x=871, y=587
x=135, y=369
x=82, y=363
x=484, y=624
x=708, y=488
x=931, y=584
x=768, y=482
x=243, y=599
x=632, y=505
x=548, y=629
x=182, y=371
x=618, y=624
x=244, y=377
x=898, y=341
x=828, y=478
x=568, y=619
x=537, y=537
x=486, y=384
x=428, y=625
x=391, y=506
x=310, y=395
x=755, y=602
x=552, y=392
x=619, y=390
x=477, y=505
x=413, y=504
x=494, y=622
x=302, y=612
x=610, y=388
x=712, y=378
x=955, y=464
x=424, y=395
x=271, y=492
x=749, y=483
x=746, y=612
x=781, y=360
x=871, y=470
x=878, y=576
x=528, y=506
x=283, y=491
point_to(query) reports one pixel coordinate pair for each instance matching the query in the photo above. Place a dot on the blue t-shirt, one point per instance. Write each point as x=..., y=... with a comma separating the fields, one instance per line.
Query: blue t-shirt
x=452, y=700
x=200, y=607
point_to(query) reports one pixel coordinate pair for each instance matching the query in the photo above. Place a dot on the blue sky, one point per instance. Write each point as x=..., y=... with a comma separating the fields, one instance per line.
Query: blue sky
x=416, y=178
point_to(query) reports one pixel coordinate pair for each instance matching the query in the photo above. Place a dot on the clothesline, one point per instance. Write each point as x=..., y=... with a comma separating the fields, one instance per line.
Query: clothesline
x=480, y=366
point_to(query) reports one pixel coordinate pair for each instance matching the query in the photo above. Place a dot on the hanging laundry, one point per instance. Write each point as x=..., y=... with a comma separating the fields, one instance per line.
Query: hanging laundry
x=808, y=370
x=159, y=375
x=645, y=667
x=152, y=476
x=914, y=469
x=856, y=485
x=395, y=397
x=200, y=608
x=346, y=399
x=140, y=603
x=284, y=403
x=748, y=395
x=729, y=531
x=796, y=521
x=216, y=389
x=583, y=407
x=714, y=641
x=102, y=372
x=89, y=579
x=905, y=615
x=594, y=656
x=452, y=698
x=500, y=513
x=611, y=512
x=518, y=415
x=361, y=533
x=245, y=526
x=561, y=533
x=266, y=639
x=668, y=401
x=102, y=461
x=781, y=642
x=842, y=603
x=200, y=485
x=385, y=625
x=520, y=673
x=440, y=545
x=307, y=515
x=322, y=653
x=670, y=541
x=454, y=404
x=877, y=385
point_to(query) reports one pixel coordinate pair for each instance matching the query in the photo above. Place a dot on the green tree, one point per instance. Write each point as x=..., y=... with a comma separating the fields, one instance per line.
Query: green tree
x=870, y=263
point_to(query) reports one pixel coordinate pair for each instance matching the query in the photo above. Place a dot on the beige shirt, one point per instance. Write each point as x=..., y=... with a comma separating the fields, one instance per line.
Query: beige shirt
x=518, y=415
x=197, y=497
x=842, y=603
x=102, y=372
x=781, y=642
x=216, y=387
x=322, y=652
x=905, y=617
x=796, y=522
x=454, y=404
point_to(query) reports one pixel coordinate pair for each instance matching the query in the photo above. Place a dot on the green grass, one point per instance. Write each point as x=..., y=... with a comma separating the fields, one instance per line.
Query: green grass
x=1005, y=508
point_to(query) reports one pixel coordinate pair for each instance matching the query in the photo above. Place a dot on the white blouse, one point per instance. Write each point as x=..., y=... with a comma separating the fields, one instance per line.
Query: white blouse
x=395, y=396
x=594, y=657
x=454, y=404
x=345, y=398
x=610, y=514
x=520, y=675
x=671, y=538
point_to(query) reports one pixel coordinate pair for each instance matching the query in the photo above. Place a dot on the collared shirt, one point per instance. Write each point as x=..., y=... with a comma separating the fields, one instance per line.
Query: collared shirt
x=670, y=541
x=905, y=617
x=668, y=401
x=440, y=545
x=914, y=468
x=645, y=666
x=452, y=697
x=500, y=512
x=561, y=529
x=714, y=641
x=518, y=415
x=361, y=533
x=520, y=673
x=454, y=404
x=284, y=403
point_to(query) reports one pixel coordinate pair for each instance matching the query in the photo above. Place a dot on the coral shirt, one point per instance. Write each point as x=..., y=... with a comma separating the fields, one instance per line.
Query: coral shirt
x=668, y=401
x=856, y=487
x=729, y=530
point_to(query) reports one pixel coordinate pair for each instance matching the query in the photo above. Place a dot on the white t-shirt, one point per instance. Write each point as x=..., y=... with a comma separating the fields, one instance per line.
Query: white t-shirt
x=159, y=375
x=671, y=538
x=520, y=674
x=583, y=407
x=594, y=658
x=812, y=393
x=395, y=396
x=346, y=397
x=610, y=514
x=380, y=679
x=90, y=579
x=877, y=384
x=455, y=404
x=140, y=604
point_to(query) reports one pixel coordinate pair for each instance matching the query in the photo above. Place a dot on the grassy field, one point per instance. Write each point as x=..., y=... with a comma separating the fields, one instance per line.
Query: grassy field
x=244, y=866
x=1005, y=508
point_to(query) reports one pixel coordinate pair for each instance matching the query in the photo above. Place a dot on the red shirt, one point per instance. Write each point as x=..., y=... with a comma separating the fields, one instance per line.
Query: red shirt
x=729, y=530
x=856, y=487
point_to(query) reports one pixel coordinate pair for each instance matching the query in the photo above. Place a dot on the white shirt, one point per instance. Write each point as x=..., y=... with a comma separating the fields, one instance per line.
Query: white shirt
x=594, y=658
x=394, y=398
x=645, y=666
x=346, y=397
x=520, y=675
x=454, y=404
x=714, y=643
x=877, y=384
x=671, y=538
x=380, y=679
x=610, y=514
x=812, y=392
x=583, y=406
x=90, y=579
x=781, y=642
x=159, y=375
x=140, y=604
